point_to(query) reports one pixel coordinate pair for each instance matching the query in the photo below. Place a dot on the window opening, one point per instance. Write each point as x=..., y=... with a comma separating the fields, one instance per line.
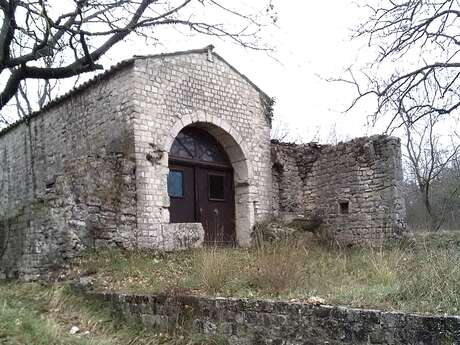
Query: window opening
x=176, y=184
x=216, y=187
x=344, y=207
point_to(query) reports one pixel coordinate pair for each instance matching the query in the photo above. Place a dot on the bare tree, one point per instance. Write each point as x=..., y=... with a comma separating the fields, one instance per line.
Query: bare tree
x=80, y=32
x=427, y=159
x=37, y=93
x=444, y=199
x=417, y=66
x=414, y=80
x=279, y=131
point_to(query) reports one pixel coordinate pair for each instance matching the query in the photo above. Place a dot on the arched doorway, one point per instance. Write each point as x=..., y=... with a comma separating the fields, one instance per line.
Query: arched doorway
x=200, y=185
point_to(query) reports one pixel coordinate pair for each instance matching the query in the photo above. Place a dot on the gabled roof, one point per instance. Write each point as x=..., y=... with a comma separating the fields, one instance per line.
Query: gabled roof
x=119, y=66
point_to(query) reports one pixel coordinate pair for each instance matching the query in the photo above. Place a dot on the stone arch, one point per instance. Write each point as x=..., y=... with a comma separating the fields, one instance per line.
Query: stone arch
x=234, y=146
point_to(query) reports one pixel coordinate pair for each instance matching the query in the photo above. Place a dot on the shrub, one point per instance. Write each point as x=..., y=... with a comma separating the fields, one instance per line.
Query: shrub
x=271, y=231
x=306, y=231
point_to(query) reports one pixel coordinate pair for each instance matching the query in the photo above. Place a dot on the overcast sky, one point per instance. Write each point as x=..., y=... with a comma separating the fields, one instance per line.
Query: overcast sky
x=312, y=43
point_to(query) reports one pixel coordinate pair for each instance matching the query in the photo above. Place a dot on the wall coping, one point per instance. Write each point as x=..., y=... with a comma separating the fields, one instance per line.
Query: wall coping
x=267, y=321
x=257, y=302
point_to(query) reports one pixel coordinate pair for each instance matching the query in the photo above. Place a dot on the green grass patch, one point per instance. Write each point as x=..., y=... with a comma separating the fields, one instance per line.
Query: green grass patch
x=44, y=315
x=420, y=276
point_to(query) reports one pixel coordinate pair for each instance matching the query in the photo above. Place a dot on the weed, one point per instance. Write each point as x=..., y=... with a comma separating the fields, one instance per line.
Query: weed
x=213, y=268
x=278, y=267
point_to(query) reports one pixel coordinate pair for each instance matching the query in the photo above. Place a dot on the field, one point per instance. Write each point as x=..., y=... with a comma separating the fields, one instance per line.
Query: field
x=418, y=276
x=421, y=275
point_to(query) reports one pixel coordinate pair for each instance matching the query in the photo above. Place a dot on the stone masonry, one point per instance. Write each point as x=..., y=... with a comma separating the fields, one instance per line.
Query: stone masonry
x=199, y=89
x=352, y=188
x=90, y=169
x=67, y=178
x=248, y=321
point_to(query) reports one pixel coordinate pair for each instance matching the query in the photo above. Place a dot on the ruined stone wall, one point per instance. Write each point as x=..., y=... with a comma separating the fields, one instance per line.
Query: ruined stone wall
x=200, y=89
x=353, y=187
x=245, y=321
x=291, y=165
x=67, y=179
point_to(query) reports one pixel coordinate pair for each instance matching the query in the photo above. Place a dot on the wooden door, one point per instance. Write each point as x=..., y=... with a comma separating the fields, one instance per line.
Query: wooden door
x=200, y=185
x=181, y=189
x=216, y=205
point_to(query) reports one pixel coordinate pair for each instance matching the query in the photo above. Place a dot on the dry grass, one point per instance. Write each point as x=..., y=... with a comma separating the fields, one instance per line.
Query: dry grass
x=213, y=269
x=271, y=269
x=39, y=315
x=278, y=268
x=420, y=277
x=433, y=282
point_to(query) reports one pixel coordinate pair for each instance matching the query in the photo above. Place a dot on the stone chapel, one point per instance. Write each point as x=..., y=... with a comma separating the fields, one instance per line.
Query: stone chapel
x=173, y=151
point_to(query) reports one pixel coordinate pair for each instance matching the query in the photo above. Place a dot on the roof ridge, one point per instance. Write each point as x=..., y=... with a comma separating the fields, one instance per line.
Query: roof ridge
x=73, y=91
x=111, y=70
x=179, y=52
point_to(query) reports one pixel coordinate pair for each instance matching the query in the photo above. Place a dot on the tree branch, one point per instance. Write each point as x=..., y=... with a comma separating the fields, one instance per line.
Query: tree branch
x=82, y=35
x=7, y=32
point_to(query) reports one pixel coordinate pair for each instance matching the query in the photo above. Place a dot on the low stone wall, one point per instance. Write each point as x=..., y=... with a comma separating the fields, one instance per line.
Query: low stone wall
x=243, y=321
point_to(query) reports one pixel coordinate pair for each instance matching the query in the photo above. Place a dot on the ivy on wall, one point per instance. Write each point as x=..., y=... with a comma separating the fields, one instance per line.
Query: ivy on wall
x=268, y=104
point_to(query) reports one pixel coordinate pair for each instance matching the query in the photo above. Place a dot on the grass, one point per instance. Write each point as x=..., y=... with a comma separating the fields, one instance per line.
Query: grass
x=421, y=277
x=43, y=315
x=418, y=277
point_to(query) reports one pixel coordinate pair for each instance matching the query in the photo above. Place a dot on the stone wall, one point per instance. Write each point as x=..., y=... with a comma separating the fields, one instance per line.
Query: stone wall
x=199, y=89
x=91, y=168
x=243, y=321
x=354, y=188
x=67, y=178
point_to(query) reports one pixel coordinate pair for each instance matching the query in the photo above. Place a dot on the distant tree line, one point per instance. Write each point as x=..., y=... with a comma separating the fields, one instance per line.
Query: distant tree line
x=444, y=198
x=413, y=80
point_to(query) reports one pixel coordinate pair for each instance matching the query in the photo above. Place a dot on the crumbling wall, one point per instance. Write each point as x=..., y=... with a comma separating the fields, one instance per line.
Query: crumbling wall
x=67, y=179
x=291, y=166
x=354, y=188
x=250, y=321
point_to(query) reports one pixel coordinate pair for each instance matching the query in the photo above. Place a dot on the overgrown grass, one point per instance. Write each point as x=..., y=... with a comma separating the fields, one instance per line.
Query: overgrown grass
x=278, y=268
x=212, y=270
x=422, y=277
x=39, y=315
